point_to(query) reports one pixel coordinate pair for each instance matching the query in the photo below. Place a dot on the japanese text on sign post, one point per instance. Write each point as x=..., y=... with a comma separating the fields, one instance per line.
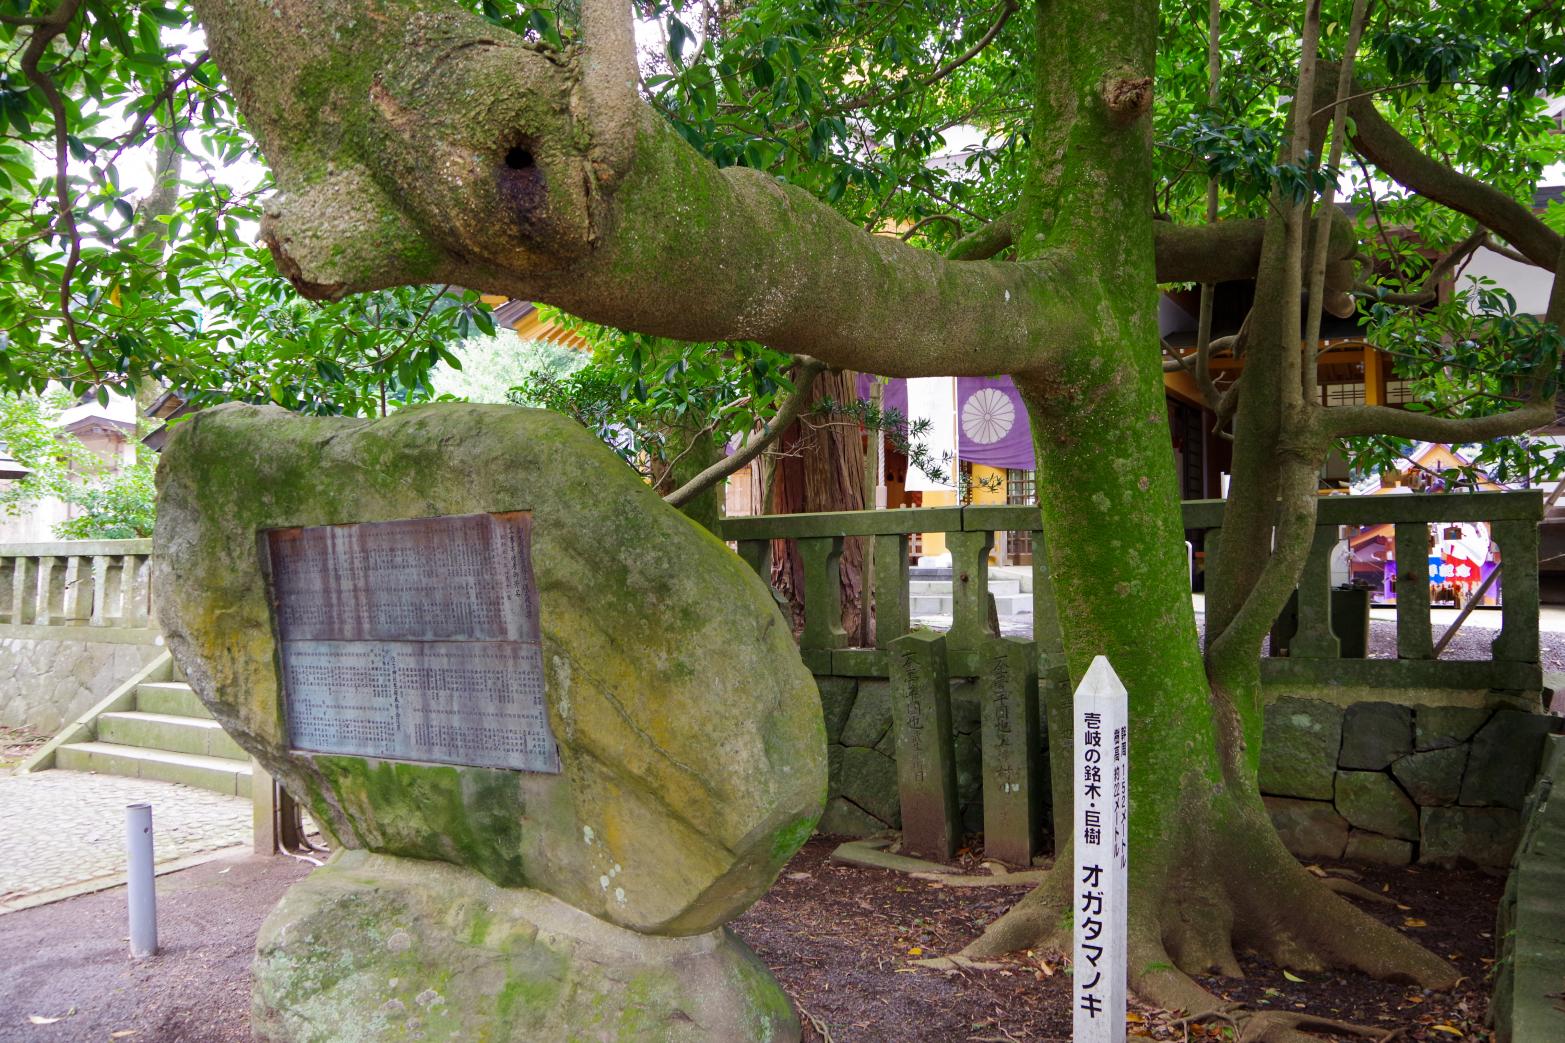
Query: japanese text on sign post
x=1102, y=800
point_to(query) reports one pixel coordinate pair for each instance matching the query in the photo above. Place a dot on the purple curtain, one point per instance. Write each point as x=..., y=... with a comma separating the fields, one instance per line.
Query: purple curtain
x=992, y=424
x=893, y=397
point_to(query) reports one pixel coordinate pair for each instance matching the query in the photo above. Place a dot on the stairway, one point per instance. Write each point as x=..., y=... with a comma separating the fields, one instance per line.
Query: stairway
x=167, y=735
x=1010, y=586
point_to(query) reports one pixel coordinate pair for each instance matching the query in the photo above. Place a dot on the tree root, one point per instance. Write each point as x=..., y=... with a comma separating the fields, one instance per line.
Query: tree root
x=1349, y=889
x=1276, y=1026
x=1022, y=879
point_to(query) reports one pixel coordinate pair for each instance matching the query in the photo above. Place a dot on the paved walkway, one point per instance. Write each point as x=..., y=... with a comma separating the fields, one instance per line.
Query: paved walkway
x=64, y=831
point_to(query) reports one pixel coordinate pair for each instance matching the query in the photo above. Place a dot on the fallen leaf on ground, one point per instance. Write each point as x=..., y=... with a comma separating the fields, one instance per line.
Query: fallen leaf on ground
x=39, y=1019
x=1292, y=977
x=1413, y=921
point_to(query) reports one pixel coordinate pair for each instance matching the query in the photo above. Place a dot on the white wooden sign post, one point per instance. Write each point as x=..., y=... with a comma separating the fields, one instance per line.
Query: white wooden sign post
x=1101, y=787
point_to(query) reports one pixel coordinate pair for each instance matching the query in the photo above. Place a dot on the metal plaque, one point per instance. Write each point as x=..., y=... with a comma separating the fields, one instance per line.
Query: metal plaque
x=413, y=640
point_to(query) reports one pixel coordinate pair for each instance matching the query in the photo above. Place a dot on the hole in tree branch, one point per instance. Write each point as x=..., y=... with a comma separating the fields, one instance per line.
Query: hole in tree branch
x=524, y=191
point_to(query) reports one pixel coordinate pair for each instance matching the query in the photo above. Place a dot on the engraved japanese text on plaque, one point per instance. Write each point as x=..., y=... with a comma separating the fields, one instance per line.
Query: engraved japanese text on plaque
x=413, y=640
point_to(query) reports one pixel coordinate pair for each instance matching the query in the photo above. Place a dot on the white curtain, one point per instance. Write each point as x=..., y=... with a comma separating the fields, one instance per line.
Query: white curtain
x=933, y=399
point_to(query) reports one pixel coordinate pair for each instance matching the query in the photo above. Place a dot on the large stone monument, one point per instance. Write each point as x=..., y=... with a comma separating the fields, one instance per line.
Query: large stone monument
x=559, y=734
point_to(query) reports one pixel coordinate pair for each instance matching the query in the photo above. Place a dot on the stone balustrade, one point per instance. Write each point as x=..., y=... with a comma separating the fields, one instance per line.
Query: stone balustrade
x=76, y=590
x=1314, y=654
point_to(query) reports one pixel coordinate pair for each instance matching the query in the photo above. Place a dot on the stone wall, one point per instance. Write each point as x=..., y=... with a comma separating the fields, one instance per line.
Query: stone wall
x=1436, y=777
x=1388, y=782
x=861, y=755
x=44, y=683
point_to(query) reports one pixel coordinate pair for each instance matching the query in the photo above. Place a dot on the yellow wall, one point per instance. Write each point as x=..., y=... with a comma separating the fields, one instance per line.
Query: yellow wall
x=935, y=542
x=985, y=473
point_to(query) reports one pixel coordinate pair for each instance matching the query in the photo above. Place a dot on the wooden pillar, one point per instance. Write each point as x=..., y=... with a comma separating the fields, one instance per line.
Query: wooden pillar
x=1374, y=377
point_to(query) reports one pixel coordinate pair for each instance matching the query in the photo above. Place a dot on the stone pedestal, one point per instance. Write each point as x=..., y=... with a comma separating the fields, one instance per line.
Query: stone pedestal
x=374, y=947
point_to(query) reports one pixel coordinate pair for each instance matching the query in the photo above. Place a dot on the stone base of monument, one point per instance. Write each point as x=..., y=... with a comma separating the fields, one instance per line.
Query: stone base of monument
x=375, y=947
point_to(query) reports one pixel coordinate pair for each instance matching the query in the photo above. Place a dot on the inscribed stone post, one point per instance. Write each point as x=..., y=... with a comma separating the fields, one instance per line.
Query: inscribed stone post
x=926, y=763
x=1102, y=798
x=1012, y=794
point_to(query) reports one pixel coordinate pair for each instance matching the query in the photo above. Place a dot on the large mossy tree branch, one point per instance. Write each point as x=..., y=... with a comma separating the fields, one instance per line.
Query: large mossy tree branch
x=414, y=142
x=1228, y=250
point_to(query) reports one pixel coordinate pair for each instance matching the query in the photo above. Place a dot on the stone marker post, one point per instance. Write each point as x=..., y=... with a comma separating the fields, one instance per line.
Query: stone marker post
x=1013, y=797
x=926, y=762
x=1102, y=797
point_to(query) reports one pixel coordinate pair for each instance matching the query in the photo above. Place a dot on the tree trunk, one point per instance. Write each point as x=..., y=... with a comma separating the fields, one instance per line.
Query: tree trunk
x=819, y=468
x=1208, y=873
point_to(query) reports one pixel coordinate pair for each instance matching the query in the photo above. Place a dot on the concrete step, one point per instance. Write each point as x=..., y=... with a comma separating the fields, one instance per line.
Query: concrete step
x=1005, y=605
x=938, y=588
x=1020, y=574
x=170, y=697
x=218, y=774
x=1008, y=605
x=171, y=732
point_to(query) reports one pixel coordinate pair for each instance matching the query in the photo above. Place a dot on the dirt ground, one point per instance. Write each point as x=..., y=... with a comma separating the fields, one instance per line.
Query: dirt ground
x=16, y=744
x=69, y=961
x=841, y=939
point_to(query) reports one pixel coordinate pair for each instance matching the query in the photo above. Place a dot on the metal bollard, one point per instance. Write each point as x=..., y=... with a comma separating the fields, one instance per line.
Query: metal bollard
x=141, y=894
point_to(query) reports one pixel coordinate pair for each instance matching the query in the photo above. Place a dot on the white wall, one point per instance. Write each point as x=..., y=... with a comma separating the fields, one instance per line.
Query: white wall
x=1528, y=283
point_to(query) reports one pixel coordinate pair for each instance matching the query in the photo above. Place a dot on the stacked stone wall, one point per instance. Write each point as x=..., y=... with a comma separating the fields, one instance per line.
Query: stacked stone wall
x=1366, y=779
x=1381, y=781
x=861, y=755
x=45, y=683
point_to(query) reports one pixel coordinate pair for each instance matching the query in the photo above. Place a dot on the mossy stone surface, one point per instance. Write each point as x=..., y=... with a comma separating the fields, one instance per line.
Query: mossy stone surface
x=375, y=948
x=1299, y=750
x=1439, y=727
x=1482, y=836
x=1433, y=777
x=691, y=737
x=1374, y=735
x=869, y=780
x=1372, y=800
x=1372, y=847
x=1308, y=828
x=1505, y=758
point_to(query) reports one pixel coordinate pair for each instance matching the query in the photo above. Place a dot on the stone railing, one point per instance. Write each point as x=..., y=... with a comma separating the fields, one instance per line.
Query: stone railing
x=1314, y=655
x=77, y=590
